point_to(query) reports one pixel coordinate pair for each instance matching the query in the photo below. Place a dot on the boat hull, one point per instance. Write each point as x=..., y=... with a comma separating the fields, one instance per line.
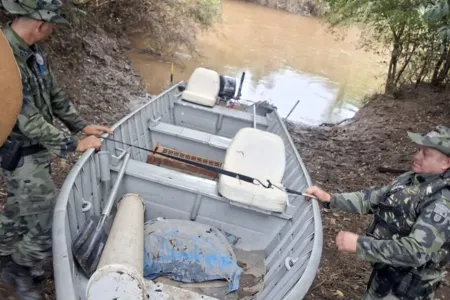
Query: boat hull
x=291, y=241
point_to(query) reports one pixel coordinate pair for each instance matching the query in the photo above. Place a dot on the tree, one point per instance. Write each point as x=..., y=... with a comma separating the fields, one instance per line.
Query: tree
x=436, y=15
x=416, y=32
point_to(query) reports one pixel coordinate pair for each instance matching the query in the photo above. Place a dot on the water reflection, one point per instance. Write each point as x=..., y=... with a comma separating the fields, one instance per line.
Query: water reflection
x=286, y=58
x=315, y=93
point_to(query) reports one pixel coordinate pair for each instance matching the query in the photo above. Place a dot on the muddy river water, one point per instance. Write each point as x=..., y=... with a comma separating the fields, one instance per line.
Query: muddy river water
x=286, y=58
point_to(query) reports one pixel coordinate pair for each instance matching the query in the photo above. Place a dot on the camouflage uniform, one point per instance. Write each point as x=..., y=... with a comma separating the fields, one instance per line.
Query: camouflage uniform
x=26, y=222
x=408, y=243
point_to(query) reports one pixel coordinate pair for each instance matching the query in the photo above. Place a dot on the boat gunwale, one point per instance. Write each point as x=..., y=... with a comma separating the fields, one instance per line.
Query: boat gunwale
x=312, y=267
x=60, y=250
x=65, y=285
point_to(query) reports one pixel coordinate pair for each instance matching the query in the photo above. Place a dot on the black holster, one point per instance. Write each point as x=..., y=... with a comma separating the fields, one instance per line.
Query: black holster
x=403, y=283
x=412, y=286
x=385, y=278
x=12, y=151
x=10, y=154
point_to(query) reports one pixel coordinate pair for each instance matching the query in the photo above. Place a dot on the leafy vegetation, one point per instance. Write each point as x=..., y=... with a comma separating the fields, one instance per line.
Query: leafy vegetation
x=416, y=32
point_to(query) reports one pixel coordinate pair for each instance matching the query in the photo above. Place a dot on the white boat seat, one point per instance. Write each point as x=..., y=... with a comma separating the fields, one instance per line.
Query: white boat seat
x=261, y=155
x=203, y=87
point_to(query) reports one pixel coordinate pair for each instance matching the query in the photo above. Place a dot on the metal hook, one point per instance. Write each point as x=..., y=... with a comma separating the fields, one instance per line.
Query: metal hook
x=269, y=184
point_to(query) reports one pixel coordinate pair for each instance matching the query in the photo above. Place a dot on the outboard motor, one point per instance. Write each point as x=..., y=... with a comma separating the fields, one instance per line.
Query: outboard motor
x=227, y=87
x=208, y=88
x=182, y=87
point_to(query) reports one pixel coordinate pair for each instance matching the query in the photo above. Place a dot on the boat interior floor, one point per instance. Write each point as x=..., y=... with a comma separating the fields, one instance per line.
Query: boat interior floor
x=251, y=282
x=176, y=190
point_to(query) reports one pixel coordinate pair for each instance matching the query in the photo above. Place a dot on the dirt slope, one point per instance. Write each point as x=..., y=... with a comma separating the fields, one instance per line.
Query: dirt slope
x=347, y=158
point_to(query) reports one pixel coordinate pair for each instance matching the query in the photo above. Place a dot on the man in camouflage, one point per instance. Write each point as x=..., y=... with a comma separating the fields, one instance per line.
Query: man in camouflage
x=408, y=242
x=26, y=221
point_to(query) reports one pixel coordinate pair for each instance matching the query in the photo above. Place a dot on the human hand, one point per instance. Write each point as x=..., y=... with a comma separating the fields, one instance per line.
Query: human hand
x=96, y=130
x=319, y=193
x=347, y=241
x=89, y=142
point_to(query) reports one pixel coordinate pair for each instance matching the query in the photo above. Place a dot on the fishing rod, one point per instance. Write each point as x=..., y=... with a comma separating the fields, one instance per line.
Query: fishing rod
x=217, y=170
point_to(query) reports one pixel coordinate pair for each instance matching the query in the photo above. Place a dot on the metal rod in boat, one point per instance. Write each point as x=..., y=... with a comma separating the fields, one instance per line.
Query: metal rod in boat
x=292, y=109
x=171, y=74
x=254, y=115
x=240, y=87
x=216, y=169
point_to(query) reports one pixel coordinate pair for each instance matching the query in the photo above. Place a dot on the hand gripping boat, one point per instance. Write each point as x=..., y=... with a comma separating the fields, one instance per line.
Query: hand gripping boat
x=146, y=161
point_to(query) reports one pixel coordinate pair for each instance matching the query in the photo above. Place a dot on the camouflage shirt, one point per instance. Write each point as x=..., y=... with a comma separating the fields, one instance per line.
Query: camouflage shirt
x=43, y=100
x=415, y=219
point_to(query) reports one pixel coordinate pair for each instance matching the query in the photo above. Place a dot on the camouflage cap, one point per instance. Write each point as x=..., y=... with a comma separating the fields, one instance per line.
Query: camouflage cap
x=44, y=10
x=439, y=139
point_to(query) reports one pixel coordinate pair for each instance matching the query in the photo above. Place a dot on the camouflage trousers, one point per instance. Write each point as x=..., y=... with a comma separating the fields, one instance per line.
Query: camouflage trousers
x=26, y=221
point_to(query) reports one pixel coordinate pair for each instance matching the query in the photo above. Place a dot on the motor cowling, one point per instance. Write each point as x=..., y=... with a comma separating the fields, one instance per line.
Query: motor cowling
x=227, y=87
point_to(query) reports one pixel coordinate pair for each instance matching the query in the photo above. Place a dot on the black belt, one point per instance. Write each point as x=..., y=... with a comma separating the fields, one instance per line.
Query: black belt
x=33, y=149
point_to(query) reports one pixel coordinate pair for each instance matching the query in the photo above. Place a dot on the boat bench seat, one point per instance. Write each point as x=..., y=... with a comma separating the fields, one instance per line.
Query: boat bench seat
x=159, y=182
x=200, y=137
x=203, y=87
x=261, y=155
x=190, y=110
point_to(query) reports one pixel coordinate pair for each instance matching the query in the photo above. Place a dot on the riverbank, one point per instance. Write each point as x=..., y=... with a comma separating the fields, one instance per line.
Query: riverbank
x=302, y=7
x=349, y=158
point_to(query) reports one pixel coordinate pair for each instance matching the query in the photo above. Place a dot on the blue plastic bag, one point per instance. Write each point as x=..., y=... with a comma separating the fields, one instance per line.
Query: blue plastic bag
x=187, y=251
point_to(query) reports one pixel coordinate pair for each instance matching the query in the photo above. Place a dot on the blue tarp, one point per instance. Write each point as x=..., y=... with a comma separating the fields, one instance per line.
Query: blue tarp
x=189, y=252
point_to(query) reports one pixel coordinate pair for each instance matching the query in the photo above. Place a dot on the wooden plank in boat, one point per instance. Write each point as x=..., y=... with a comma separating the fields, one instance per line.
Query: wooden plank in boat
x=160, y=160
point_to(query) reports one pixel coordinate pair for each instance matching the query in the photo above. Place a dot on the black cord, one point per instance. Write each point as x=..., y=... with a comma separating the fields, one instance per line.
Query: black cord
x=200, y=165
x=215, y=169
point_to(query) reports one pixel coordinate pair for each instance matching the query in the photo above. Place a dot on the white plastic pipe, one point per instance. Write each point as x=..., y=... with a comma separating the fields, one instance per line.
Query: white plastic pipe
x=119, y=274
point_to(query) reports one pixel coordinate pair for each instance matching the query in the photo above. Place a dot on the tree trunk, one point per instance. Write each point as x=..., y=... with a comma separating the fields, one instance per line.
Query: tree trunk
x=422, y=72
x=390, y=81
x=405, y=63
x=437, y=67
x=444, y=71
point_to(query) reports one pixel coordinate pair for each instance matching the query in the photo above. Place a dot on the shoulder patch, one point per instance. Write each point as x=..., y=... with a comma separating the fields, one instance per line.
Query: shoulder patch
x=440, y=213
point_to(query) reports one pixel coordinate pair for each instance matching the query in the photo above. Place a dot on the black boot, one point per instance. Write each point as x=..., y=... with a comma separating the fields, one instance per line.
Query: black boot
x=20, y=279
